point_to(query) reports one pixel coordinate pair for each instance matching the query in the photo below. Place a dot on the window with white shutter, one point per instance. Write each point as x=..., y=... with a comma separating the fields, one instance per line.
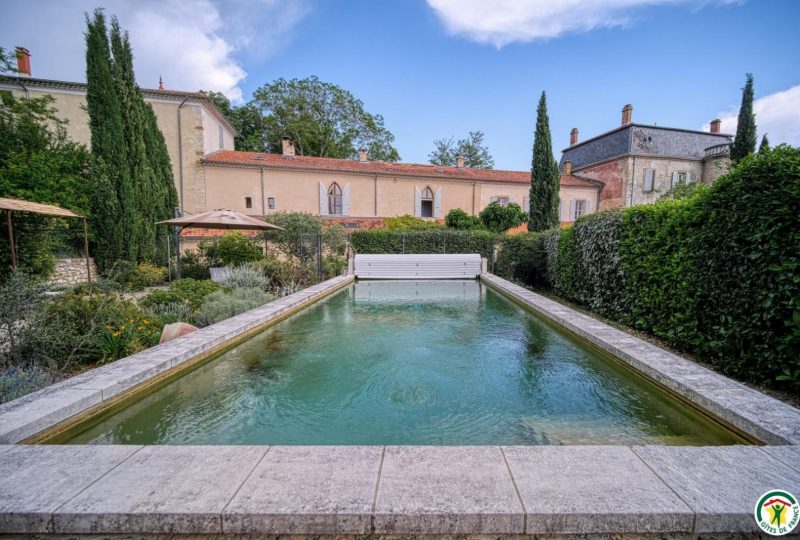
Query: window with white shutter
x=649, y=180
x=580, y=208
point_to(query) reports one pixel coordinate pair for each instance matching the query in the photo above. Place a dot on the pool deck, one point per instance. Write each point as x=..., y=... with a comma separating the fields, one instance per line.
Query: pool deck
x=656, y=491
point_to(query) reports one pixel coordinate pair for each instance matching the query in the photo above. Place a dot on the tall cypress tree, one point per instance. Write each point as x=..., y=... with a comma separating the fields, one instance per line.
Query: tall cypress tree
x=141, y=174
x=764, y=146
x=110, y=170
x=745, y=141
x=544, y=174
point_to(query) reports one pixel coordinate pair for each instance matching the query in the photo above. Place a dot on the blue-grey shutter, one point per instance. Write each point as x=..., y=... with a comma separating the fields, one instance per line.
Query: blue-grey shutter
x=437, y=204
x=323, y=200
x=675, y=179
x=346, y=200
x=417, y=202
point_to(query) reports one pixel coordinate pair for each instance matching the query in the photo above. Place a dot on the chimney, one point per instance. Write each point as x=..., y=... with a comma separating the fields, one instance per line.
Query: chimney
x=460, y=162
x=362, y=156
x=568, y=167
x=288, y=146
x=160, y=83
x=23, y=62
x=715, y=124
x=627, y=114
x=573, y=136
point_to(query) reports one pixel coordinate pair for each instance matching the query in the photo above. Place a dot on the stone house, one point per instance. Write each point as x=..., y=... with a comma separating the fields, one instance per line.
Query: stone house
x=192, y=126
x=637, y=163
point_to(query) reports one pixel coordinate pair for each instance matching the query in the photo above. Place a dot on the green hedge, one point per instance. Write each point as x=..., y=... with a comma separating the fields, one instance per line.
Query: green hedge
x=716, y=274
x=433, y=241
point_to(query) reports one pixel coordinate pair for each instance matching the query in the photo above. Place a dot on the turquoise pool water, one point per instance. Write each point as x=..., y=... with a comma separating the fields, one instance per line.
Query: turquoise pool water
x=428, y=363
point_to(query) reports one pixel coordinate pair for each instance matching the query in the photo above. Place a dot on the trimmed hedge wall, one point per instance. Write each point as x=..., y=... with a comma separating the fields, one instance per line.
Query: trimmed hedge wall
x=716, y=274
x=432, y=241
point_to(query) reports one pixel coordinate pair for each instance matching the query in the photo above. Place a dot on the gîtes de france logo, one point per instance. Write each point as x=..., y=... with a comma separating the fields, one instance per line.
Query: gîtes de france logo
x=777, y=512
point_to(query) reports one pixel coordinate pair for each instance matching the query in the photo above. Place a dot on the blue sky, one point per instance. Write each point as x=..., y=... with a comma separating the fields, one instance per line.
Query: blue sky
x=444, y=67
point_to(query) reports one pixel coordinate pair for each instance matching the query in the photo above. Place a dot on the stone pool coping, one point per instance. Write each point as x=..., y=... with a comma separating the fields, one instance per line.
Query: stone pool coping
x=658, y=491
x=758, y=415
x=393, y=490
x=41, y=410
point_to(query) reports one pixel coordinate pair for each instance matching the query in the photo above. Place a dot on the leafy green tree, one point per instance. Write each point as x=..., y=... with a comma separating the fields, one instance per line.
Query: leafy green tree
x=544, y=175
x=764, y=146
x=498, y=218
x=459, y=219
x=39, y=163
x=6, y=63
x=472, y=148
x=113, y=206
x=247, y=120
x=322, y=119
x=745, y=141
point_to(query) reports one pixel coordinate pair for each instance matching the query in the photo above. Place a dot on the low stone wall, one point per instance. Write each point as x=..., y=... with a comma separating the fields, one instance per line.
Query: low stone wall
x=72, y=271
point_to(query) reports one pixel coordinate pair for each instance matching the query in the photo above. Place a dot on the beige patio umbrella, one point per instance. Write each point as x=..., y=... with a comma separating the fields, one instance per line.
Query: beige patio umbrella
x=220, y=219
x=216, y=219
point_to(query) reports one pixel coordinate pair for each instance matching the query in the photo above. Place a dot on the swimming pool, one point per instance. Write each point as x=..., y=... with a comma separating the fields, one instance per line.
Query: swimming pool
x=423, y=363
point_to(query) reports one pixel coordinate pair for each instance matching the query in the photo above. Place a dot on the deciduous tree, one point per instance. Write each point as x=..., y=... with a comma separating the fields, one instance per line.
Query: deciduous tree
x=472, y=148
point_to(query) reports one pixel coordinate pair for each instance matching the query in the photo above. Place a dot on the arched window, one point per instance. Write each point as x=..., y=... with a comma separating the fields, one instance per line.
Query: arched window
x=335, y=200
x=426, y=208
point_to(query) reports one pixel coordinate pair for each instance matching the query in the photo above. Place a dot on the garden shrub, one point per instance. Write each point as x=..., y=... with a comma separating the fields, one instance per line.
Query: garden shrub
x=411, y=223
x=235, y=248
x=18, y=381
x=499, y=218
x=98, y=327
x=245, y=276
x=714, y=272
x=186, y=290
x=522, y=258
x=459, y=219
x=597, y=241
x=135, y=277
x=222, y=305
x=435, y=241
x=195, y=265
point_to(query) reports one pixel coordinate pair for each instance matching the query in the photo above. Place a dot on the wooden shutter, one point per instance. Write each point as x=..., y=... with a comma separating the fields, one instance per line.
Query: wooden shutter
x=323, y=200
x=689, y=178
x=417, y=202
x=571, y=210
x=437, y=203
x=675, y=179
x=649, y=179
x=346, y=200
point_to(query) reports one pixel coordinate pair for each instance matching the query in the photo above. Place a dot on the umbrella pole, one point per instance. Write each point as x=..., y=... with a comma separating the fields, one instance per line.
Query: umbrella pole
x=86, y=251
x=11, y=240
x=178, y=252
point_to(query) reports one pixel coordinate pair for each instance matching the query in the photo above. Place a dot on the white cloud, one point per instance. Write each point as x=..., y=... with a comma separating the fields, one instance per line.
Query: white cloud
x=192, y=44
x=777, y=115
x=500, y=22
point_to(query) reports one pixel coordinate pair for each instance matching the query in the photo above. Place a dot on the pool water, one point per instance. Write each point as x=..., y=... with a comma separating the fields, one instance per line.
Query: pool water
x=426, y=363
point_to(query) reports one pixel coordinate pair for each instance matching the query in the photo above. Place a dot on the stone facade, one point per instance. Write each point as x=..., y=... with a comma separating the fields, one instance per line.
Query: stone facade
x=638, y=163
x=72, y=271
x=192, y=127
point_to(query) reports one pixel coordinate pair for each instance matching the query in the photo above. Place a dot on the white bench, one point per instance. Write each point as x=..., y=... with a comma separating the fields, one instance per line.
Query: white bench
x=461, y=266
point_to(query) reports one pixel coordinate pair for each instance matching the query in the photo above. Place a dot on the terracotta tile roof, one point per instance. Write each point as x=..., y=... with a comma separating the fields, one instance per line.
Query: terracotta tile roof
x=257, y=159
x=574, y=180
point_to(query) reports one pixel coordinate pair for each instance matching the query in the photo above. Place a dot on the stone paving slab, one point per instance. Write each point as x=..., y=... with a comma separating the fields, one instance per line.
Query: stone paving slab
x=762, y=417
x=446, y=490
x=593, y=489
x=790, y=455
x=307, y=490
x=162, y=489
x=36, y=480
x=720, y=484
x=31, y=414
